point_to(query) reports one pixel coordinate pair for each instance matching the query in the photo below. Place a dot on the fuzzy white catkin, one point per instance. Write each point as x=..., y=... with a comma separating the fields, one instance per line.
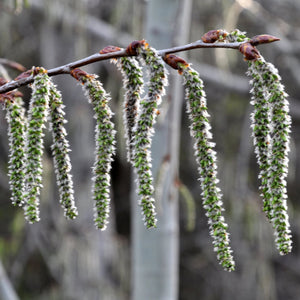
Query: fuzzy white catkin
x=34, y=148
x=206, y=159
x=15, y=116
x=271, y=128
x=261, y=130
x=60, y=152
x=144, y=130
x=133, y=84
x=280, y=140
x=105, y=148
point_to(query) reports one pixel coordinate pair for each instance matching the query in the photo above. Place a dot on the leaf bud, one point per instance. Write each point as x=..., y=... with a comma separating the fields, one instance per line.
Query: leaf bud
x=213, y=36
x=109, y=49
x=249, y=51
x=175, y=62
x=79, y=74
x=132, y=47
x=263, y=39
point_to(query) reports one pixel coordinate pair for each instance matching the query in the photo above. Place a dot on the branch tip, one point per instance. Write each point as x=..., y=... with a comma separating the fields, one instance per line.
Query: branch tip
x=263, y=39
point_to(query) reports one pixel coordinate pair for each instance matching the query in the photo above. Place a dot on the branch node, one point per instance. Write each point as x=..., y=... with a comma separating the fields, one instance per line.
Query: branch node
x=249, y=51
x=214, y=36
x=133, y=46
x=175, y=62
x=80, y=75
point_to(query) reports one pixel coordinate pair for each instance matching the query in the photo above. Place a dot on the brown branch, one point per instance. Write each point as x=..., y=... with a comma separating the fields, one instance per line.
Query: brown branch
x=65, y=69
x=12, y=64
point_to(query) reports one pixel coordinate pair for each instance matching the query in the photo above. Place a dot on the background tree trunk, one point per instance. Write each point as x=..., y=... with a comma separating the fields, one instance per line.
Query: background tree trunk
x=7, y=291
x=155, y=258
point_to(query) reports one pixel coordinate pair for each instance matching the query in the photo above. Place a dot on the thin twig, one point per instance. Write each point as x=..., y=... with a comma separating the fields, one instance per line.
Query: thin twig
x=12, y=64
x=65, y=69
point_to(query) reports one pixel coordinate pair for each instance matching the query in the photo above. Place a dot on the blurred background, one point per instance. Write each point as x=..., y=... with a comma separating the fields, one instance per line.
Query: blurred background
x=62, y=259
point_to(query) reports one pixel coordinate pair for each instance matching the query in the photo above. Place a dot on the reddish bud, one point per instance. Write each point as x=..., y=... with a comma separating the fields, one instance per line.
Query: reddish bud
x=34, y=71
x=109, y=49
x=80, y=75
x=9, y=96
x=263, y=39
x=38, y=70
x=4, y=97
x=2, y=81
x=132, y=47
x=15, y=94
x=24, y=75
x=213, y=35
x=249, y=51
x=175, y=62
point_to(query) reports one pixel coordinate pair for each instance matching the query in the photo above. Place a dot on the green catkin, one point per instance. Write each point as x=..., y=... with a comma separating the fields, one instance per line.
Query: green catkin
x=37, y=116
x=143, y=130
x=133, y=85
x=271, y=127
x=261, y=130
x=236, y=36
x=105, y=148
x=60, y=149
x=206, y=159
x=280, y=129
x=15, y=116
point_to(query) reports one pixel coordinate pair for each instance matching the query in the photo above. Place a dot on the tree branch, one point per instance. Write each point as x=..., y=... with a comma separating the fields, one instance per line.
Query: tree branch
x=12, y=64
x=65, y=69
